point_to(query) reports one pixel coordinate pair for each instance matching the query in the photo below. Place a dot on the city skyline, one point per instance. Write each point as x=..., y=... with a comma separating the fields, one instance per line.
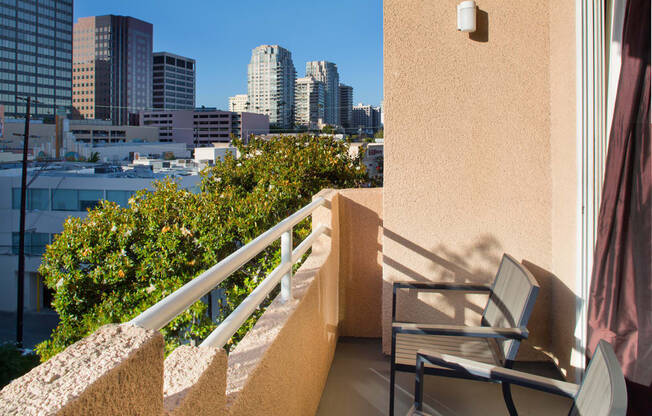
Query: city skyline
x=234, y=39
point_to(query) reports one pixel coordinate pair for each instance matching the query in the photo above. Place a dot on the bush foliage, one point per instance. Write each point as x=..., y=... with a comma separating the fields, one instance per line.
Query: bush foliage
x=117, y=261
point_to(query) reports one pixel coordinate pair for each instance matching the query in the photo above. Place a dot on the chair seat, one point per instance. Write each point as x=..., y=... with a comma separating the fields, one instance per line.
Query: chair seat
x=478, y=349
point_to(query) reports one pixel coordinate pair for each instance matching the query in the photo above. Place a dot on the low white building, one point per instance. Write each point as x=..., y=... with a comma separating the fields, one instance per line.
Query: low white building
x=56, y=192
x=207, y=156
x=373, y=156
x=113, y=152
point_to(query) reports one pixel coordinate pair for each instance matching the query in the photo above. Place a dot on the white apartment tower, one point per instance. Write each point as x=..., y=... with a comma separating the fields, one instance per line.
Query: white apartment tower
x=270, y=84
x=326, y=72
x=309, y=98
x=239, y=103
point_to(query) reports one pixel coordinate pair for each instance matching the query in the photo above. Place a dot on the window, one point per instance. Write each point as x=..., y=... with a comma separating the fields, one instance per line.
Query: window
x=35, y=243
x=119, y=197
x=75, y=200
x=37, y=199
x=89, y=199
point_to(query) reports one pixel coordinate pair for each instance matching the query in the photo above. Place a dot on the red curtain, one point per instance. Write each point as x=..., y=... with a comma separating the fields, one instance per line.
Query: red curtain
x=620, y=299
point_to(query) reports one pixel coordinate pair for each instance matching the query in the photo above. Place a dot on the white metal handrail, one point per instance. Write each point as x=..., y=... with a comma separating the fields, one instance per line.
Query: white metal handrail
x=160, y=314
x=221, y=335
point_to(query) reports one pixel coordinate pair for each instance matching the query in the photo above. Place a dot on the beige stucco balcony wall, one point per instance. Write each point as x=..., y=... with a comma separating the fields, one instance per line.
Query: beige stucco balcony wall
x=116, y=370
x=480, y=156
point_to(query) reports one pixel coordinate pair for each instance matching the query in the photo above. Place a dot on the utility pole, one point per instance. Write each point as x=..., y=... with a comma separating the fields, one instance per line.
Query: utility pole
x=21, y=241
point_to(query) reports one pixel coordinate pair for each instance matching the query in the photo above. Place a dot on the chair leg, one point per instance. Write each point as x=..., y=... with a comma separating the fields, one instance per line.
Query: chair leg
x=391, y=391
x=392, y=375
x=507, y=392
x=507, y=395
x=418, y=384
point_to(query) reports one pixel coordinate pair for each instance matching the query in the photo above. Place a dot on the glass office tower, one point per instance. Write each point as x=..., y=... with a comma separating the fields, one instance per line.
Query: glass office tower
x=36, y=56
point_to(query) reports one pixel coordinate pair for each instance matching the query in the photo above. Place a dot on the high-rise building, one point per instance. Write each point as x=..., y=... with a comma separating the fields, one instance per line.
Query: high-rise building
x=36, y=56
x=309, y=99
x=174, y=82
x=345, y=105
x=366, y=118
x=239, y=103
x=112, y=67
x=270, y=84
x=326, y=72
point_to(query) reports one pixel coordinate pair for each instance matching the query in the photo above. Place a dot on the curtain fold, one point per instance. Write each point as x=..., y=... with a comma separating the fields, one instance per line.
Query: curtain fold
x=620, y=298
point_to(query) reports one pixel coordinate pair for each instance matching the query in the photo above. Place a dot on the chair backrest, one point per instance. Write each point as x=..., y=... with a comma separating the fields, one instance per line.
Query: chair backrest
x=510, y=304
x=603, y=390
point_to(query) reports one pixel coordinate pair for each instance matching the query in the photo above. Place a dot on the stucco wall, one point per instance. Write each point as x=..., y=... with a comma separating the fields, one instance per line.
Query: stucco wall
x=564, y=182
x=116, y=370
x=469, y=155
x=361, y=271
x=280, y=367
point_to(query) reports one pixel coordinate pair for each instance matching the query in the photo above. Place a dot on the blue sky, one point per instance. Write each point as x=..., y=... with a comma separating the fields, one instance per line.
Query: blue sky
x=220, y=34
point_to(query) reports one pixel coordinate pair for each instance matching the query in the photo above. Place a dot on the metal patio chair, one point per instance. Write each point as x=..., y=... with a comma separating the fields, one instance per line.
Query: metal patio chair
x=511, y=300
x=602, y=392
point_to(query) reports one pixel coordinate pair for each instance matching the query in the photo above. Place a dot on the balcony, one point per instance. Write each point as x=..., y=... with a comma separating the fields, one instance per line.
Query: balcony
x=316, y=351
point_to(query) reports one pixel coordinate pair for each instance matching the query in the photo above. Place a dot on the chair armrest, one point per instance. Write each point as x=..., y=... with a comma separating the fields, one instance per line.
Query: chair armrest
x=437, y=286
x=461, y=330
x=466, y=287
x=496, y=373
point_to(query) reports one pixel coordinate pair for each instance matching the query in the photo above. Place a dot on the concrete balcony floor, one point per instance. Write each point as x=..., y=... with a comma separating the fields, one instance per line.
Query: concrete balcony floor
x=358, y=384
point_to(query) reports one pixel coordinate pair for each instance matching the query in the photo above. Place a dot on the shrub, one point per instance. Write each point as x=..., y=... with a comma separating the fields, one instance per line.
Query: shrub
x=116, y=262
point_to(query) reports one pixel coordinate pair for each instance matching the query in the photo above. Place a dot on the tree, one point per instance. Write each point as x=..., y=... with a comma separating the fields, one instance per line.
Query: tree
x=379, y=134
x=328, y=129
x=116, y=262
x=94, y=157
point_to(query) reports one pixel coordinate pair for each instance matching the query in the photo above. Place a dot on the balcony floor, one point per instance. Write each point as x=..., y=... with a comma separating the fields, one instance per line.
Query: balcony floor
x=358, y=384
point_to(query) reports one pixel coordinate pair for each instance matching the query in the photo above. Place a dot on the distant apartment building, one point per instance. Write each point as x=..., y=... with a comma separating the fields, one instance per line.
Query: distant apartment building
x=270, y=84
x=174, y=85
x=201, y=127
x=239, y=103
x=366, y=118
x=345, y=105
x=112, y=67
x=326, y=72
x=36, y=56
x=309, y=100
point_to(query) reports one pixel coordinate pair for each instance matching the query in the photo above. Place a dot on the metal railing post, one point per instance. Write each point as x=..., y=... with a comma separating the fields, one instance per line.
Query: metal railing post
x=286, y=257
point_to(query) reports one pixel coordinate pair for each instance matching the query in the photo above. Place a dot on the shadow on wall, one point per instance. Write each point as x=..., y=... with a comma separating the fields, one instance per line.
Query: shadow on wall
x=481, y=33
x=476, y=263
x=553, y=319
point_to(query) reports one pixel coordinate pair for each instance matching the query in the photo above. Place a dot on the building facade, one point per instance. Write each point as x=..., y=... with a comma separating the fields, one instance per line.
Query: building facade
x=366, y=118
x=92, y=132
x=36, y=56
x=309, y=101
x=326, y=72
x=53, y=196
x=270, y=84
x=174, y=85
x=112, y=67
x=201, y=127
x=345, y=105
x=239, y=103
